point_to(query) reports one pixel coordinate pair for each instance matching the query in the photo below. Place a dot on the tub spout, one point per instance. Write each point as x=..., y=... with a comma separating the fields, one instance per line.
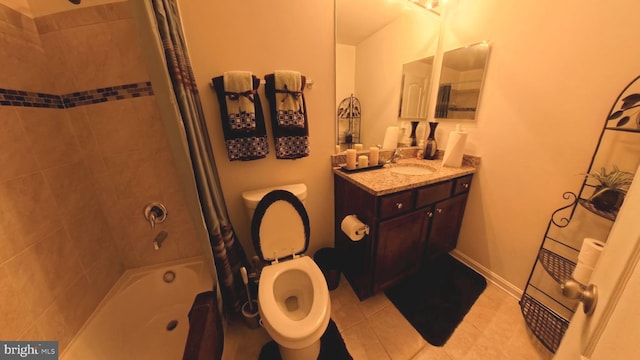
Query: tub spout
x=160, y=238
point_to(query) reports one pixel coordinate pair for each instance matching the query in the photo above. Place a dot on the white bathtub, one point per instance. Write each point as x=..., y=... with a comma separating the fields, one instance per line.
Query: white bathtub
x=131, y=321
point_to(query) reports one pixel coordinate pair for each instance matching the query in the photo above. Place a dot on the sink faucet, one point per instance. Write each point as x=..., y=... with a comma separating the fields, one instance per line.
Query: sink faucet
x=396, y=155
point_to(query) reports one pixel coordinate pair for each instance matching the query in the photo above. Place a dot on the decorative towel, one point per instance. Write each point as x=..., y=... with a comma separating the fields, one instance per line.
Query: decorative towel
x=239, y=95
x=291, y=142
x=242, y=144
x=289, y=101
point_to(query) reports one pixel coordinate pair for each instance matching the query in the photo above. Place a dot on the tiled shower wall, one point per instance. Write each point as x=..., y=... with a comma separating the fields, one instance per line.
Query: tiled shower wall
x=82, y=150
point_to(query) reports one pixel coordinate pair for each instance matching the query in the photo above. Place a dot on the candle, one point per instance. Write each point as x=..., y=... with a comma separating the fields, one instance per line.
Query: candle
x=338, y=149
x=363, y=161
x=351, y=159
x=374, y=155
x=358, y=146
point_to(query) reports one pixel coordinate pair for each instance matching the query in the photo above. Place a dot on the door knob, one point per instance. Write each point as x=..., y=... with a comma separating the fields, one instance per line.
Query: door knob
x=588, y=295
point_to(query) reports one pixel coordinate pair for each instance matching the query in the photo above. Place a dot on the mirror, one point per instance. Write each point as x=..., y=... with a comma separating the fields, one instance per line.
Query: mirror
x=461, y=78
x=374, y=38
x=416, y=77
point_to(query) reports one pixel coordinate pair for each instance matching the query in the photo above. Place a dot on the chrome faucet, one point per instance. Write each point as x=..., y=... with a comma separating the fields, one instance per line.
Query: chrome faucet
x=395, y=157
x=155, y=213
x=160, y=238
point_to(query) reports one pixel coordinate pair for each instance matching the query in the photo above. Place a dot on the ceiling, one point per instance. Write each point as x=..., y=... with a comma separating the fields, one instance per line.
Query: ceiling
x=358, y=19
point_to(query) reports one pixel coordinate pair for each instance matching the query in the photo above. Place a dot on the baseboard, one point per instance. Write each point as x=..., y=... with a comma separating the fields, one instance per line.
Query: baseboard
x=508, y=287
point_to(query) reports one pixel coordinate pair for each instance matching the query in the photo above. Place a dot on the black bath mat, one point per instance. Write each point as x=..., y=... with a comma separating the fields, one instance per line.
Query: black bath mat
x=436, y=299
x=332, y=347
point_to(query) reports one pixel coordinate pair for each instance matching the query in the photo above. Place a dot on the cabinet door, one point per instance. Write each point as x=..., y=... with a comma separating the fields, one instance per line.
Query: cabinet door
x=400, y=247
x=447, y=218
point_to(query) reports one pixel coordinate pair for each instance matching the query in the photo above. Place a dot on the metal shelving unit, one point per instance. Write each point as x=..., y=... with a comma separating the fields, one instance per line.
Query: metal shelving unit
x=546, y=311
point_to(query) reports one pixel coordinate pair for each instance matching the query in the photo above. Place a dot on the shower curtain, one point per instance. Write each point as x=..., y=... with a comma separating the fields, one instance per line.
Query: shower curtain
x=228, y=253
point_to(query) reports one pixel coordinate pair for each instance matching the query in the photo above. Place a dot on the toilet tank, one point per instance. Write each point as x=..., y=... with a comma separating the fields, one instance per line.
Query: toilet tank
x=251, y=198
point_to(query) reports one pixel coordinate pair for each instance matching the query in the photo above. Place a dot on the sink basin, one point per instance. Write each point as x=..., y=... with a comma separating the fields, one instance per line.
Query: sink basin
x=412, y=170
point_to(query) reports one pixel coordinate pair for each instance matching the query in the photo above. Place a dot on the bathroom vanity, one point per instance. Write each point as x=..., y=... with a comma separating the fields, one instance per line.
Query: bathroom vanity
x=411, y=218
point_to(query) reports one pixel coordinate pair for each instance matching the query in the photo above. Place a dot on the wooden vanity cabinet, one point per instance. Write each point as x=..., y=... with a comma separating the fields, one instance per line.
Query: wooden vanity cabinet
x=406, y=228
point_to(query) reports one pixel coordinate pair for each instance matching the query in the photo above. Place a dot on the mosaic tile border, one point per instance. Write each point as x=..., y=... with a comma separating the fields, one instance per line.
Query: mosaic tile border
x=10, y=97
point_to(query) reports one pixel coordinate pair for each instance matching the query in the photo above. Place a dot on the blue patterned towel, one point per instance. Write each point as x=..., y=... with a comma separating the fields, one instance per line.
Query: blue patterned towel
x=244, y=141
x=291, y=142
x=289, y=100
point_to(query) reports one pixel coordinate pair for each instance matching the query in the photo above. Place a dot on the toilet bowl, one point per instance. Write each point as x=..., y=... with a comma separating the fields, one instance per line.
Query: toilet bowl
x=293, y=297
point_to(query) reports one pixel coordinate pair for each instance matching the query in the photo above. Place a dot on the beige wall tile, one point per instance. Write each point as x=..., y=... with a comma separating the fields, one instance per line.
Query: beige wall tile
x=91, y=236
x=76, y=304
x=103, y=54
x=28, y=280
x=15, y=316
x=58, y=262
x=50, y=136
x=53, y=326
x=16, y=156
x=72, y=187
x=27, y=212
x=127, y=125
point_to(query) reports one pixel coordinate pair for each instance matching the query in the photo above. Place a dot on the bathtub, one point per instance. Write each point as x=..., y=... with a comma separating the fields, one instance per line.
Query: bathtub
x=143, y=316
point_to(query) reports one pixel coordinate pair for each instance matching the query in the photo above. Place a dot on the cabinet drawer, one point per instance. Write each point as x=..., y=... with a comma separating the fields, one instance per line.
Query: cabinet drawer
x=396, y=204
x=433, y=193
x=462, y=184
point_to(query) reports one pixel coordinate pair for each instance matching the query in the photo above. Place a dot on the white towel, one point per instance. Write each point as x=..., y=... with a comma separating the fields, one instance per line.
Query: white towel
x=289, y=100
x=238, y=87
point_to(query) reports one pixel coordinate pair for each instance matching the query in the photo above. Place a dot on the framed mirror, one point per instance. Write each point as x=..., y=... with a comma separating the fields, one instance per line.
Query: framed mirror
x=461, y=79
x=374, y=38
x=416, y=78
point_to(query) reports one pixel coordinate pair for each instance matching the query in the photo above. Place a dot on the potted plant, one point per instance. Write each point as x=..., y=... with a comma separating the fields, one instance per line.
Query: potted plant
x=612, y=187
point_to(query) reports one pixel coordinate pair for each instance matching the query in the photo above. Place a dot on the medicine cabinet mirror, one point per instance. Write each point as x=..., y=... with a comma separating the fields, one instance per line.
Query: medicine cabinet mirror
x=461, y=79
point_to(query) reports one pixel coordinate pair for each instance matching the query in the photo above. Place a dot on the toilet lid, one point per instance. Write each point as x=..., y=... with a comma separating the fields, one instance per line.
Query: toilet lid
x=280, y=226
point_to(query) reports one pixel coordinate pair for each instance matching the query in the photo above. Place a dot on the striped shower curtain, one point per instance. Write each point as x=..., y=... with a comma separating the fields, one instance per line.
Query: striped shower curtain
x=228, y=253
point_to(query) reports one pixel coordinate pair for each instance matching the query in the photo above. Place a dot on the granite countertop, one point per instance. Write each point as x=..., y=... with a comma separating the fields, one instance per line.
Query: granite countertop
x=383, y=181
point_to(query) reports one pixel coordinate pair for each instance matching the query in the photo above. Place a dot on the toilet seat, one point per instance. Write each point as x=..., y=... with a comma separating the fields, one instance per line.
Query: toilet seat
x=289, y=332
x=283, y=244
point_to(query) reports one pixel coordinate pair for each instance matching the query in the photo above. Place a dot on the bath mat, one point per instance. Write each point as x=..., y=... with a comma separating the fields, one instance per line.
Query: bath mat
x=436, y=299
x=332, y=347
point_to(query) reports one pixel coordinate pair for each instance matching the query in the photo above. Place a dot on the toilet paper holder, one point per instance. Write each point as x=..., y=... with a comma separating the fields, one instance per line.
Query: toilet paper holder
x=363, y=230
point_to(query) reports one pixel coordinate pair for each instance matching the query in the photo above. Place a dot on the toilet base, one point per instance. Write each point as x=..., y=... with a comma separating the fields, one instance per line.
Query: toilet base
x=310, y=352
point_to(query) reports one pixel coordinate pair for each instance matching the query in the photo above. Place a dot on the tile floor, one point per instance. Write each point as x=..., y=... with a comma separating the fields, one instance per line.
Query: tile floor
x=374, y=329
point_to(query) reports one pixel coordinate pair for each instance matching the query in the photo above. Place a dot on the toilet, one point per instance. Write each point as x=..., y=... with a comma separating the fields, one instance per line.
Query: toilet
x=293, y=297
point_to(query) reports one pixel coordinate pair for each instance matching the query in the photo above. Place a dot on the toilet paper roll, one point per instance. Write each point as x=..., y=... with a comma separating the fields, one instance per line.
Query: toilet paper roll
x=353, y=228
x=455, y=148
x=590, y=251
x=391, y=138
x=582, y=273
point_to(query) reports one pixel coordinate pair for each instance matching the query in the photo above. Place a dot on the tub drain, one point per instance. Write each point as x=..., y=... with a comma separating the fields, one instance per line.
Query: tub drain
x=169, y=276
x=172, y=325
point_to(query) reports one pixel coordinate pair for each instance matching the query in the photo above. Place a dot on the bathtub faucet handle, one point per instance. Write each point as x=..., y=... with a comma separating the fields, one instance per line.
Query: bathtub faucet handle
x=155, y=213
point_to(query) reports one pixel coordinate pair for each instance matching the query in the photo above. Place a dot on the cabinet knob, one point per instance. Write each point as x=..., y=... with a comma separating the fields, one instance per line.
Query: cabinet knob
x=465, y=185
x=439, y=211
x=399, y=205
x=429, y=214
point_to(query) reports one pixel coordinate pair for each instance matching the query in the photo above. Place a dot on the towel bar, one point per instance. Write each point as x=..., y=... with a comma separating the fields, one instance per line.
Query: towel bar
x=308, y=85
